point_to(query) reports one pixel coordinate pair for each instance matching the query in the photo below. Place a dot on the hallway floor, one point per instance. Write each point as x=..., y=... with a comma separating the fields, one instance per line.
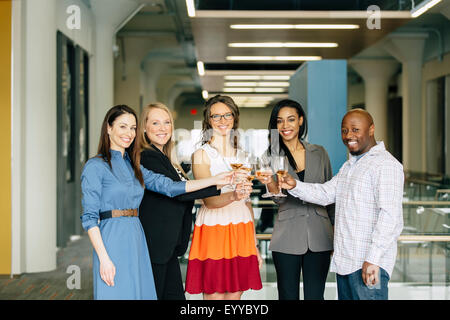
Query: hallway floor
x=54, y=285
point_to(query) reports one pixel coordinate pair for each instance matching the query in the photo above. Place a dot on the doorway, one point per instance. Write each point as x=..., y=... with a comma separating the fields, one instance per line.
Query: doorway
x=72, y=134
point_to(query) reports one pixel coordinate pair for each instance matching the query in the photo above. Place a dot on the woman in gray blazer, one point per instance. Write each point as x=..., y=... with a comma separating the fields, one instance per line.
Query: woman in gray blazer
x=302, y=238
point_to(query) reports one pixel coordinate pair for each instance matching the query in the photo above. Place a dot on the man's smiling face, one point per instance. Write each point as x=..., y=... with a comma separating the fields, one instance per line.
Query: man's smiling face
x=357, y=132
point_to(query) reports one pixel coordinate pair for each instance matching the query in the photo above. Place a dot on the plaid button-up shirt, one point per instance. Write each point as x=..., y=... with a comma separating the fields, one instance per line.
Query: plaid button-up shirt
x=368, y=193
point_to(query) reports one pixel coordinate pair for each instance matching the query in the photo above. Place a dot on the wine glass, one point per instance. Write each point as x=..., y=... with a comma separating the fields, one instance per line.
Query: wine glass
x=280, y=166
x=249, y=167
x=247, y=161
x=236, y=162
x=263, y=170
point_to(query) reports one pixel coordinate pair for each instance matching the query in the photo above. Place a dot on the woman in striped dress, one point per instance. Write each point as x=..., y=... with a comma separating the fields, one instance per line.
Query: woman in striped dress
x=223, y=260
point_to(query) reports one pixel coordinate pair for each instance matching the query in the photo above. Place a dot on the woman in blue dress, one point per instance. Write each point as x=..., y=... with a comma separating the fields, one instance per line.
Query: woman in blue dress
x=112, y=186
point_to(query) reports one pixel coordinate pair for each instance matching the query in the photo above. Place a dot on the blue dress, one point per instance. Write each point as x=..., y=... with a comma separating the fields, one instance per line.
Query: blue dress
x=105, y=189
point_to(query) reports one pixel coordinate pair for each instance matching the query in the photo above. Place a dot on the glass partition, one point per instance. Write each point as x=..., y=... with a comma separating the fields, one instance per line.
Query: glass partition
x=422, y=269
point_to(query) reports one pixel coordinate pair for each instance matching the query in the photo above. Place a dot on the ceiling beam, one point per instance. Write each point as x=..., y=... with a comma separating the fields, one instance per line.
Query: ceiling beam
x=298, y=14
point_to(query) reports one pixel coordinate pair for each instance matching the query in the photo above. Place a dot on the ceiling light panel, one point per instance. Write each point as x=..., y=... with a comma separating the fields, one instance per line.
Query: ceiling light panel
x=255, y=77
x=273, y=58
x=252, y=98
x=252, y=105
x=270, y=90
x=257, y=96
x=252, y=102
x=283, y=45
x=258, y=89
x=238, y=90
x=294, y=26
x=257, y=84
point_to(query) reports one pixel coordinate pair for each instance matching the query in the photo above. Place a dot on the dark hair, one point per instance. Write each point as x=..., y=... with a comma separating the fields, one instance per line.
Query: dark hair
x=273, y=126
x=105, y=144
x=206, y=126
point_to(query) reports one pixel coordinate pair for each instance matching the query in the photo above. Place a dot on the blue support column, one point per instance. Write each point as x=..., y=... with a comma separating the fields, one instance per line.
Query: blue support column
x=321, y=88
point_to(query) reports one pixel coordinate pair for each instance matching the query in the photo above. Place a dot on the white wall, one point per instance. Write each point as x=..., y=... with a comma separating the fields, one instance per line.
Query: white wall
x=18, y=147
x=109, y=15
x=34, y=106
x=40, y=135
x=34, y=127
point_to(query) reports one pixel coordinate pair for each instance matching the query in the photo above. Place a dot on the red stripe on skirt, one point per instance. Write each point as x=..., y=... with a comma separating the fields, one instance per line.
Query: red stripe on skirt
x=224, y=275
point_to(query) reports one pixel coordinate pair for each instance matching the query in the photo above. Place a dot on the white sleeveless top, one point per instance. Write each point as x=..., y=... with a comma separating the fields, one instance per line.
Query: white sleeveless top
x=236, y=212
x=217, y=164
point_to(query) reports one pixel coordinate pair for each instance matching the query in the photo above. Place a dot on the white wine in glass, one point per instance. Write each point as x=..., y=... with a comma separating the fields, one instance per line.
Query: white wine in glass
x=263, y=170
x=280, y=166
x=235, y=166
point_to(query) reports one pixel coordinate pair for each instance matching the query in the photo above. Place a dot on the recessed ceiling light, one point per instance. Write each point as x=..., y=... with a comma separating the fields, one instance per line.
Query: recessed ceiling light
x=249, y=77
x=270, y=90
x=252, y=105
x=252, y=98
x=200, y=68
x=257, y=84
x=273, y=58
x=255, y=77
x=256, y=96
x=240, y=84
x=276, y=77
x=238, y=89
x=205, y=94
x=255, y=58
x=284, y=45
x=294, y=26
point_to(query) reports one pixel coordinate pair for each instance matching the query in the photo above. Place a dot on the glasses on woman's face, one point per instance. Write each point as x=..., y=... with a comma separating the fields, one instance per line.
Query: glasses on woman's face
x=218, y=117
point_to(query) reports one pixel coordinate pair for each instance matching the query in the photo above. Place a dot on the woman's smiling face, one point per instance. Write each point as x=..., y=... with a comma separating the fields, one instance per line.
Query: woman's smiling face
x=224, y=124
x=122, y=132
x=158, y=127
x=289, y=123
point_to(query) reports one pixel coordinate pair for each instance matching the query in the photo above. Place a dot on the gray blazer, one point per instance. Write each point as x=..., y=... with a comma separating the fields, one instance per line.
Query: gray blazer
x=299, y=225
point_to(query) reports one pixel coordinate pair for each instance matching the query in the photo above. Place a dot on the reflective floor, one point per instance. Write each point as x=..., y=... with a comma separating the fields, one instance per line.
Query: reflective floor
x=59, y=284
x=397, y=291
x=419, y=288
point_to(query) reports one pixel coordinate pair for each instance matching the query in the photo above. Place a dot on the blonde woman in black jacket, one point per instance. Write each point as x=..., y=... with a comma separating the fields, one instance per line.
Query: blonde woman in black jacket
x=167, y=221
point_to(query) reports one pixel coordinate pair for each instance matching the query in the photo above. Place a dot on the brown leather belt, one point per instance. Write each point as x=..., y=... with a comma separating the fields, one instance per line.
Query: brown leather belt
x=118, y=213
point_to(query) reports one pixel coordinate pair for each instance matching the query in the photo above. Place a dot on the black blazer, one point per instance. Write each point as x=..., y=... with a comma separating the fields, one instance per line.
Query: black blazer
x=167, y=222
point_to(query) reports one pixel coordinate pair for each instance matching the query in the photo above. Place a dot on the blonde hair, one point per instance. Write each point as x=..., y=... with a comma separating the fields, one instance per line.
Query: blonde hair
x=169, y=147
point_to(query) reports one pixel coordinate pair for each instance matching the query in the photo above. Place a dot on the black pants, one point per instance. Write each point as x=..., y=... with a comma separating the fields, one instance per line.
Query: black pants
x=315, y=267
x=168, y=282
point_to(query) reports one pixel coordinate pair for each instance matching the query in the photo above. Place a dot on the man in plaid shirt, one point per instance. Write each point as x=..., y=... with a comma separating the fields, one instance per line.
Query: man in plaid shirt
x=368, y=192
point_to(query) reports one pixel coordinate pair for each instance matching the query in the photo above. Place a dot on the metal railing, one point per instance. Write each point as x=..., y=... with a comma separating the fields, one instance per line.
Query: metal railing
x=423, y=256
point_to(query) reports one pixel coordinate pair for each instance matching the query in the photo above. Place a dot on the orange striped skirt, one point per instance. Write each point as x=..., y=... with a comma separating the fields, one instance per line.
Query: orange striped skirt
x=223, y=257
